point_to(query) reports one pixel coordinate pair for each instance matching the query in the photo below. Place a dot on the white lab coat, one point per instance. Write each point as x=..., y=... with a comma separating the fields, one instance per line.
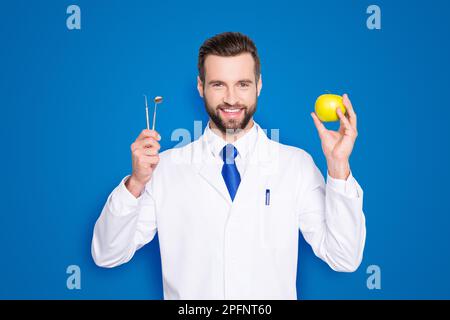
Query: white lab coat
x=212, y=248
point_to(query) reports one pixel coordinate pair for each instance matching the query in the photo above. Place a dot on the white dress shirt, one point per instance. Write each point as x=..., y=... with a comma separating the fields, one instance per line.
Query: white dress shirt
x=244, y=146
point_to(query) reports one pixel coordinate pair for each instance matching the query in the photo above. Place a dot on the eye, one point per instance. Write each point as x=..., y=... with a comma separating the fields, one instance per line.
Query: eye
x=217, y=84
x=244, y=84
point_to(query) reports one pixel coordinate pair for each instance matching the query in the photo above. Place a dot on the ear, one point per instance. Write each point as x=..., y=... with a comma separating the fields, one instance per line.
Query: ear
x=200, y=86
x=259, y=85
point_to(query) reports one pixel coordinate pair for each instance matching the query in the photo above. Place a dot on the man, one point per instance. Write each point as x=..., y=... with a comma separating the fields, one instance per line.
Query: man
x=228, y=207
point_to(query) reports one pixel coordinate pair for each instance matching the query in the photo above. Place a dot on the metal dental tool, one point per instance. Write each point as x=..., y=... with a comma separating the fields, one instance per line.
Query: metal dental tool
x=146, y=112
x=157, y=100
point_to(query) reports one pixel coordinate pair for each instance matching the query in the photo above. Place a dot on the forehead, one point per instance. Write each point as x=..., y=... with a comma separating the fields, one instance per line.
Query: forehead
x=230, y=68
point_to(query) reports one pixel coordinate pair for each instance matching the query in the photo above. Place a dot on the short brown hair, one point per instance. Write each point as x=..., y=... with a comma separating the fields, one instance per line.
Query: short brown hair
x=227, y=44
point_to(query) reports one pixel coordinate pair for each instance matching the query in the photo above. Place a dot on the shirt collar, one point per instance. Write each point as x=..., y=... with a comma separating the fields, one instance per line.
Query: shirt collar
x=244, y=144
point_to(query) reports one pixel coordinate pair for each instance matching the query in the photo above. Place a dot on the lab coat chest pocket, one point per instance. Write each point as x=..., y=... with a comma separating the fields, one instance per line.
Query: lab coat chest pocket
x=274, y=220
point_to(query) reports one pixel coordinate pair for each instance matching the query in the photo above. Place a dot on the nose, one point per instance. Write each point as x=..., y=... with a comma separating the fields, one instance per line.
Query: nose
x=230, y=97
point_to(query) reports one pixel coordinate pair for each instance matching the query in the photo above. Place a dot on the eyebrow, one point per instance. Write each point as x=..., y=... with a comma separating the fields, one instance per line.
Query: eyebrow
x=219, y=81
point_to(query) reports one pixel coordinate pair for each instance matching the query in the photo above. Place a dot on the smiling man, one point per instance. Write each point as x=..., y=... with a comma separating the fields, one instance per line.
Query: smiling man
x=229, y=206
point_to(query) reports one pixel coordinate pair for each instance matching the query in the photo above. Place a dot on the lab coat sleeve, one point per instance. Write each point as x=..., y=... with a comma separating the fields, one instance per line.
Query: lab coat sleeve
x=125, y=225
x=331, y=217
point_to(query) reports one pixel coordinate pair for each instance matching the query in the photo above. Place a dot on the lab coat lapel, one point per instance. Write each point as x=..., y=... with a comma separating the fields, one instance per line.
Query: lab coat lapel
x=210, y=170
x=261, y=164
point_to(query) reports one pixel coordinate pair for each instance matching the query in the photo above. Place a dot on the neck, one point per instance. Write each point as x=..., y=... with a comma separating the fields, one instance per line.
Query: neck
x=231, y=136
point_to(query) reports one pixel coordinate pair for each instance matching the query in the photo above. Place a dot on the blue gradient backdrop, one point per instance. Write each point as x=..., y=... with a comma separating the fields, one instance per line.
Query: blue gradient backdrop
x=71, y=105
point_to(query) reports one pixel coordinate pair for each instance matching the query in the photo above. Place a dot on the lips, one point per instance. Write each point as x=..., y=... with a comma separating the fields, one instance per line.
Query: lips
x=231, y=112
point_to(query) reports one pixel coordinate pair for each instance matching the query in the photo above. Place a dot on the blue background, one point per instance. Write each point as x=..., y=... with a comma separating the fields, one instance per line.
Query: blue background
x=71, y=105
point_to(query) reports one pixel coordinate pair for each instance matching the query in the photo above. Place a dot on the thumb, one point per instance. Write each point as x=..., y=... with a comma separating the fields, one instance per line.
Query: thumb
x=319, y=125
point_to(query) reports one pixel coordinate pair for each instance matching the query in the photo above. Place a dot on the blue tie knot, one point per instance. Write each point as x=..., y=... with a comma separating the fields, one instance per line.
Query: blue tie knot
x=229, y=153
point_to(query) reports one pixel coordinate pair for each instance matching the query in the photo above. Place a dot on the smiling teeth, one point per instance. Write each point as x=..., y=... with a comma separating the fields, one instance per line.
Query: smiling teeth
x=232, y=110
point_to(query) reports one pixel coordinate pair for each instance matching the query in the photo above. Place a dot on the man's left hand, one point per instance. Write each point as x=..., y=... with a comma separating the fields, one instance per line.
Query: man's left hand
x=338, y=145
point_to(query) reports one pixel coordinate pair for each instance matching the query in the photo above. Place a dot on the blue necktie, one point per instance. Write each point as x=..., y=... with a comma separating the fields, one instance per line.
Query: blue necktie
x=230, y=172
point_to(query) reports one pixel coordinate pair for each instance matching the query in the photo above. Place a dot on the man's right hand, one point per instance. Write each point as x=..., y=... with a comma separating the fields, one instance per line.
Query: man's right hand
x=145, y=158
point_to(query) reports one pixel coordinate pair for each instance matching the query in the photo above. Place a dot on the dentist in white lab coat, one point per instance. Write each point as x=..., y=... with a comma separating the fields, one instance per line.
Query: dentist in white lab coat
x=229, y=206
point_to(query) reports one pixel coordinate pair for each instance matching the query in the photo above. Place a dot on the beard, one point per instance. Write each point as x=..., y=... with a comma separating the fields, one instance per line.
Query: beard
x=230, y=125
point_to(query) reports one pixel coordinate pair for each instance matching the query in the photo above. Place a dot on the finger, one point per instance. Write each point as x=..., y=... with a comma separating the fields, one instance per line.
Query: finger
x=150, y=151
x=345, y=127
x=146, y=143
x=319, y=125
x=351, y=112
x=344, y=121
x=150, y=143
x=148, y=134
x=150, y=159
